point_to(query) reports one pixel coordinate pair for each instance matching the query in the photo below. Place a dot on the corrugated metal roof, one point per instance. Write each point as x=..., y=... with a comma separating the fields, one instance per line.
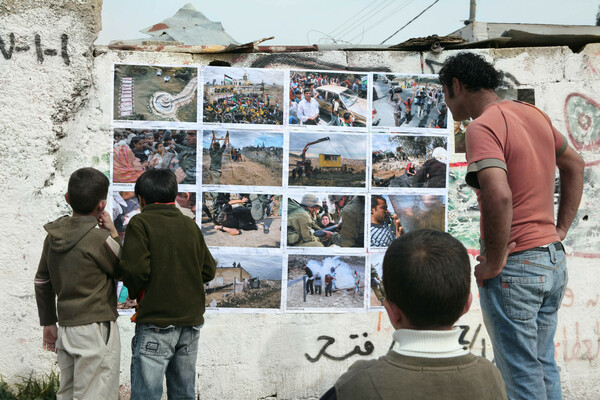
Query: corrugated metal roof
x=188, y=27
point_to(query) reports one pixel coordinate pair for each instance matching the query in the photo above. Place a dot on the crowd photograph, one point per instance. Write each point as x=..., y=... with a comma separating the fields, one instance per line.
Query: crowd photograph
x=138, y=150
x=333, y=99
x=243, y=96
x=410, y=101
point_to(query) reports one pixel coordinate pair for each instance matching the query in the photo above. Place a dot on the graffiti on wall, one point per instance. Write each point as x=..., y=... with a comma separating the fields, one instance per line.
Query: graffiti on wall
x=356, y=350
x=9, y=46
x=582, y=118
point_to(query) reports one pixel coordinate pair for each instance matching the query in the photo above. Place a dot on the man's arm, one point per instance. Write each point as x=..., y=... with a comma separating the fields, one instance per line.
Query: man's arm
x=314, y=108
x=570, y=167
x=300, y=113
x=45, y=295
x=497, y=214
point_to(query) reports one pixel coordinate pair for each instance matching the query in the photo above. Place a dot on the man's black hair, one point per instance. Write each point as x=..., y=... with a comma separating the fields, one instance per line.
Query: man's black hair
x=375, y=200
x=427, y=274
x=87, y=187
x=157, y=186
x=472, y=70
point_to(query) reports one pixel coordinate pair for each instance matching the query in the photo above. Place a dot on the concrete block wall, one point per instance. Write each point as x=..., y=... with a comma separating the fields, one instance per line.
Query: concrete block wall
x=55, y=117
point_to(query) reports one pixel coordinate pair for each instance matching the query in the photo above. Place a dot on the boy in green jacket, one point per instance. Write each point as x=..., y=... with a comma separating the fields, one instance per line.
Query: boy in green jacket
x=165, y=264
x=427, y=281
x=77, y=268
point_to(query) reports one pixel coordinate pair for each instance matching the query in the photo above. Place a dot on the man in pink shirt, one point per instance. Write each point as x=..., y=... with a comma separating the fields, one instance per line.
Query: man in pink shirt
x=513, y=151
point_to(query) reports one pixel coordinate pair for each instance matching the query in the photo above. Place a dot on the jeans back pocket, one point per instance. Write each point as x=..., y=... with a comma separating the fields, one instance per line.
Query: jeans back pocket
x=522, y=296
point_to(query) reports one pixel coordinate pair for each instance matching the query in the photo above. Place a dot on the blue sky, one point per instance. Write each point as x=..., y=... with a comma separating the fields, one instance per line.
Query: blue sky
x=349, y=146
x=256, y=76
x=246, y=138
x=294, y=22
x=264, y=266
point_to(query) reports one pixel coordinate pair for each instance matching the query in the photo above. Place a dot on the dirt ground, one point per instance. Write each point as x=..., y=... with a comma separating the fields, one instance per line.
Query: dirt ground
x=258, y=238
x=268, y=296
x=243, y=173
x=340, y=298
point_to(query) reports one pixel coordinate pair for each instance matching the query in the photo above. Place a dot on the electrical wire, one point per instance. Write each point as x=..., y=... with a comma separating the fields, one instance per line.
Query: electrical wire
x=405, y=25
x=376, y=24
x=343, y=24
x=367, y=16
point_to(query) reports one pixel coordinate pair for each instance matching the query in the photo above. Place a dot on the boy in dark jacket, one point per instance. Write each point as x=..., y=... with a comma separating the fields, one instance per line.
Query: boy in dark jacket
x=77, y=267
x=165, y=263
x=427, y=281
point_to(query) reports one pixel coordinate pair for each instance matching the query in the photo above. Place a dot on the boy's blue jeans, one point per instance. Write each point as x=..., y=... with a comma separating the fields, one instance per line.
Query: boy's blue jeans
x=157, y=352
x=520, y=314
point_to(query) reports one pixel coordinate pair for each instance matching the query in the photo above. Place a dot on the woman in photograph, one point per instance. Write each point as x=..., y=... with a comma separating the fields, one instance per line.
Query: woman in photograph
x=126, y=167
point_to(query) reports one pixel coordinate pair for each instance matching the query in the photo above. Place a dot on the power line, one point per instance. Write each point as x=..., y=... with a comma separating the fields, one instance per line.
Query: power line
x=367, y=17
x=405, y=25
x=351, y=18
x=394, y=12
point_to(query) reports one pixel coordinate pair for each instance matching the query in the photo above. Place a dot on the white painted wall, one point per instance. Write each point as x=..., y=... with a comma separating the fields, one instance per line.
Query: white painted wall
x=55, y=118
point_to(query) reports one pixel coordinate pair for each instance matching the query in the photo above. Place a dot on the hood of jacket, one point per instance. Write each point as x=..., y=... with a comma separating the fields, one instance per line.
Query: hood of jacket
x=67, y=231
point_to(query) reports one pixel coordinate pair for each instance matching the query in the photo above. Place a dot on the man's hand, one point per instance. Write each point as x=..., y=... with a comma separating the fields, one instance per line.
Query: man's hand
x=50, y=336
x=180, y=175
x=562, y=233
x=105, y=222
x=398, y=225
x=484, y=271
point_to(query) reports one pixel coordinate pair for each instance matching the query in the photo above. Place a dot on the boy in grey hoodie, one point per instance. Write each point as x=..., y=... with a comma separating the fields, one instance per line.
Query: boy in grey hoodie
x=77, y=267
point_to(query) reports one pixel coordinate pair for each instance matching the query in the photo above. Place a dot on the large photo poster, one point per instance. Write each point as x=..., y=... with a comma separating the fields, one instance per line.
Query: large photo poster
x=298, y=179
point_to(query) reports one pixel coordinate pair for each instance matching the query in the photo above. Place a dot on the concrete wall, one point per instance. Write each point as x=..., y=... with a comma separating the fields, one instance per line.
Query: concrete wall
x=55, y=118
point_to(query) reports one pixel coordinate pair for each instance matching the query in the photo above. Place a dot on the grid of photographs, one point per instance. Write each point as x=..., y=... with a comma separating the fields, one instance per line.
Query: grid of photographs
x=298, y=179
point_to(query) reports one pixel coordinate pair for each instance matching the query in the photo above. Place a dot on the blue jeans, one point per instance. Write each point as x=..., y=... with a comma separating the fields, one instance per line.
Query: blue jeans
x=520, y=309
x=157, y=352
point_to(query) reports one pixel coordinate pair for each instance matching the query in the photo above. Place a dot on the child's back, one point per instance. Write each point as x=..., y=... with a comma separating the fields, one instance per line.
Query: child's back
x=80, y=261
x=77, y=268
x=165, y=264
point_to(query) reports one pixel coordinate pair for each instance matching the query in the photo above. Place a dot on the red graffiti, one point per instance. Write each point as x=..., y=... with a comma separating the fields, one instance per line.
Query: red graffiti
x=581, y=349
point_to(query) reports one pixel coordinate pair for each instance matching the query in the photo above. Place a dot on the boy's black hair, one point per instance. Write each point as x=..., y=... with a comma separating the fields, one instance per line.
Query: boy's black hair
x=427, y=274
x=87, y=187
x=157, y=186
x=472, y=70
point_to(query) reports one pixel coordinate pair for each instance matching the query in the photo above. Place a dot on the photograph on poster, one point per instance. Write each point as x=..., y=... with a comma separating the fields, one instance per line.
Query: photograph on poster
x=394, y=215
x=319, y=159
x=321, y=220
x=409, y=161
x=243, y=95
x=333, y=99
x=155, y=93
x=414, y=101
x=125, y=206
x=242, y=158
x=460, y=129
x=325, y=282
x=376, y=292
x=138, y=150
x=241, y=220
x=245, y=281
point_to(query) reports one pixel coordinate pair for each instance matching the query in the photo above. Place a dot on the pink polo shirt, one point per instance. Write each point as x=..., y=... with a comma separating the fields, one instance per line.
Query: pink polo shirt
x=520, y=139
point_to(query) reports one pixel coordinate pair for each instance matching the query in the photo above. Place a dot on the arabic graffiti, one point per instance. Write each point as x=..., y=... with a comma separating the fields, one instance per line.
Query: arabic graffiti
x=7, y=51
x=579, y=349
x=369, y=347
